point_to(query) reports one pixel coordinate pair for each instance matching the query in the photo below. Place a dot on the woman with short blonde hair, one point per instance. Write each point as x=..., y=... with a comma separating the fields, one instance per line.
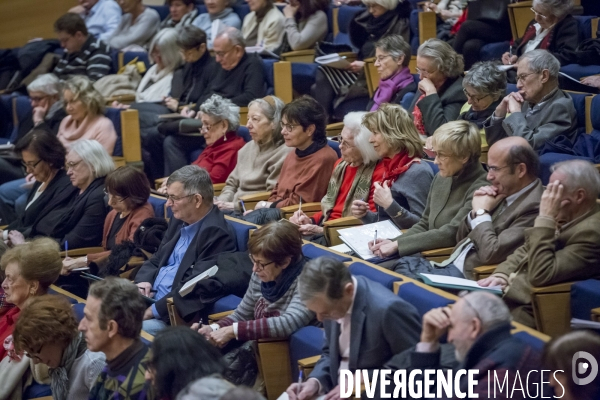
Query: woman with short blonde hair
x=459, y=139
x=401, y=192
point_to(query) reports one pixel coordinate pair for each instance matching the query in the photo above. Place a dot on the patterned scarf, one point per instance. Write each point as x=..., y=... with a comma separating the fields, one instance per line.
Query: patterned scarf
x=274, y=290
x=358, y=191
x=418, y=117
x=394, y=167
x=60, y=376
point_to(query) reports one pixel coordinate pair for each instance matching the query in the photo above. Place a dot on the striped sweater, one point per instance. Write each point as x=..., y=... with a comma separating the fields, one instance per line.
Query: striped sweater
x=258, y=319
x=93, y=61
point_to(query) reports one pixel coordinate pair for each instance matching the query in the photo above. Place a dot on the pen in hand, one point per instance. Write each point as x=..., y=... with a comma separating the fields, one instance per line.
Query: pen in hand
x=299, y=384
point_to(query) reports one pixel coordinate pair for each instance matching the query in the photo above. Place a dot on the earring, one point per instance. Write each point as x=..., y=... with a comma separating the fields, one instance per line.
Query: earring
x=225, y=137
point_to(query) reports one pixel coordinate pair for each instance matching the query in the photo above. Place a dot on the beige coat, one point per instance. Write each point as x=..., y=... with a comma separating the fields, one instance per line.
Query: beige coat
x=270, y=29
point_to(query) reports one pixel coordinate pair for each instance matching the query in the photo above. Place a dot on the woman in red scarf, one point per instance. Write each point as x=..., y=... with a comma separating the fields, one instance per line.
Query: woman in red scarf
x=402, y=193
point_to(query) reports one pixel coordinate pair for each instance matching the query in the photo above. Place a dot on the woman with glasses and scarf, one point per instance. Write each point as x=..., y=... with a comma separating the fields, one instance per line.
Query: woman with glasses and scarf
x=271, y=307
x=47, y=332
x=128, y=191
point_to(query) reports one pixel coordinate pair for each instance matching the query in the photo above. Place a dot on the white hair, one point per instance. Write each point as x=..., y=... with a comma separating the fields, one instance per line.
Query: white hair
x=45, y=83
x=387, y=4
x=488, y=308
x=166, y=43
x=94, y=156
x=353, y=121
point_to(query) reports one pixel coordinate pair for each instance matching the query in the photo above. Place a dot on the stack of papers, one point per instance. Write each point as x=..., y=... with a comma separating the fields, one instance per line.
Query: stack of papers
x=333, y=61
x=457, y=283
x=358, y=237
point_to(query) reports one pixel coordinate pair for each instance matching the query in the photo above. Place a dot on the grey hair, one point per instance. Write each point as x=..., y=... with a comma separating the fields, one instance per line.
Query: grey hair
x=195, y=180
x=486, y=79
x=234, y=35
x=558, y=8
x=207, y=388
x=166, y=42
x=45, y=83
x=395, y=46
x=361, y=134
x=581, y=175
x=83, y=90
x=387, y=4
x=488, y=308
x=94, y=156
x=445, y=59
x=540, y=60
x=273, y=114
x=323, y=275
x=223, y=109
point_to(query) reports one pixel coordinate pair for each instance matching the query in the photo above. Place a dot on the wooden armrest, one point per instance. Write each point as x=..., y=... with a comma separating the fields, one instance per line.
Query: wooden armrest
x=596, y=314
x=299, y=56
x=344, y=221
x=334, y=129
x=272, y=340
x=65, y=293
x=350, y=55
x=158, y=182
x=443, y=251
x=124, y=98
x=308, y=362
x=218, y=187
x=221, y=315
x=309, y=209
x=558, y=288
x=256, y=196
x=3, y=227
x=486, y=269
x=84, y=251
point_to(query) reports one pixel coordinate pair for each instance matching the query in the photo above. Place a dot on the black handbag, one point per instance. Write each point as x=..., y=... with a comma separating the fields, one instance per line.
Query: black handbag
x=488, y=10
x=325, y=48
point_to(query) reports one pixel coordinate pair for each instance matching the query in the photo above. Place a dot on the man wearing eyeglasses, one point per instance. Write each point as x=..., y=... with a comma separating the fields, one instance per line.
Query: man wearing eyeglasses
x=196, y=235
x=539, y=111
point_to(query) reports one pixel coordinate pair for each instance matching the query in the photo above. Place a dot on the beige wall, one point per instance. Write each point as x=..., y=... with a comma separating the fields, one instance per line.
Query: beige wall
x=22, y=20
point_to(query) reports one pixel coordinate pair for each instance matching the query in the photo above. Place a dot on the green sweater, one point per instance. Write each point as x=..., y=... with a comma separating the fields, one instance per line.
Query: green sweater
x=448, y=203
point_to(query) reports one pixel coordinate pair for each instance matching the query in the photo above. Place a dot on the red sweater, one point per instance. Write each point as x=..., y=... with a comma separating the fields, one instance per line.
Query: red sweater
x=219, y=159
x=7, y=326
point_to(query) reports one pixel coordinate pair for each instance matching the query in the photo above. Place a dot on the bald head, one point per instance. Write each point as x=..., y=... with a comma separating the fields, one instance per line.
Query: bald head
x=485, y=306
x=512, y=164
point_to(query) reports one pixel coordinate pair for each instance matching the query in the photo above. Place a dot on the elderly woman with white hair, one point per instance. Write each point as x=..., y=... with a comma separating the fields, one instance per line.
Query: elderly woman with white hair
x=402, y=192
x=80, y=223
x=381, y=18
x=553, y=28
x=440, y=95
x=259, y=162
x=351, y=178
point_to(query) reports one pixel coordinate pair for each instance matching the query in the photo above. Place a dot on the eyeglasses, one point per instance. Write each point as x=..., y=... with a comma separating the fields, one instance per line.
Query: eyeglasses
x=522, y=77
x=492, y=168
x=36, y=99
x=175, y=199
x=260, y=266
x=72, y=165
x=117, y=198
x=288, y=127
x=208, y=127
x=343, y=142
x=222, y=53
x=30, y=165
x=537, y=14
x=381, y=58
x=423, y=72
x=475, y=98
x=442, y=157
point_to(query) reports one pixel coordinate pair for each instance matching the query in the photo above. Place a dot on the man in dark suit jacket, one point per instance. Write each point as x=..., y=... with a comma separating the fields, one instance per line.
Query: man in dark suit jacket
x=197, y=234
x=365, y=324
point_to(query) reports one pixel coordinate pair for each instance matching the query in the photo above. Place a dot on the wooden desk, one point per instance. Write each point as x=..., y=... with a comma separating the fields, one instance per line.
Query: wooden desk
x=596, y=314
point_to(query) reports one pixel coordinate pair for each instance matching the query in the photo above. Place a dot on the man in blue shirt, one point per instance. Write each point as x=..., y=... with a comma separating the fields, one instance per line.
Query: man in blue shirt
x=197, y=234
x=101, y=17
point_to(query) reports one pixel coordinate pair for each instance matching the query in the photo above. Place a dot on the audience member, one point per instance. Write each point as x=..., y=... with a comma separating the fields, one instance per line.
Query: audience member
x=392, y=55
x=302, y=127
x=138, y=25
x=47, y=331
x=263, y=26
x=381, y=18
x=197, y=233
x=179, y=357
x=562, y=244
x=43, y=156
x=440, y=95
x=242, y=392
x=484, y=85
x=84, y=54
x=402, y=192
x=448, y=12
x=260, y=160
x=220, y=121
x=271, y=307
x=553, y=28
x=305, y=24
x=29, y=271
x=4, y=305
x=457, y=146
x=181, y=13
x=539, y=111
x=219, y=13
x=350, y=181
x=559, y=358
x=128, y=191
x=494, y=228
x=102, y=17
x=478, y=326
x=349, y=304
x=111, y=324
x=208, y=388
x=85, y=107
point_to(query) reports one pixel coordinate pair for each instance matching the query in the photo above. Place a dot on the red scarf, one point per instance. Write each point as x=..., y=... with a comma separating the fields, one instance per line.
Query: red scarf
x=418, y=117
x=394, y=167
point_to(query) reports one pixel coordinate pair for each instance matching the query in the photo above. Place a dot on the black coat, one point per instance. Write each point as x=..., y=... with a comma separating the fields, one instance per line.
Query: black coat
x=214, y=237
x=193, y=79
x=45, y=211
x=82, y=223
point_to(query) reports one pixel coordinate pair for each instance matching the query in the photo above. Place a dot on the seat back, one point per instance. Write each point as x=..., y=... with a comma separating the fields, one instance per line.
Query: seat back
x=335, y=146
x=595, y=114
x=242, y=233
x=345, y=16
x=585, y=296
x=114, y=114
x=158, y=205
x=374, y=274
x=22, y=109
x=423, y=299
x=305, y=342
x=311, y=251
x=579, y=104
x=269, y=74
x=241, y=10
x=511, y=88
x=526, y=337
x=163, y=11
x=244, y=133
x=584, y=23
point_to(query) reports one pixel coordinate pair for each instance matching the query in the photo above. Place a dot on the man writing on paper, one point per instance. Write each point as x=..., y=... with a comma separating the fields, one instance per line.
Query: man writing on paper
x=494, y=228
x=365, y=325
x=197, y=234
x=561, y=246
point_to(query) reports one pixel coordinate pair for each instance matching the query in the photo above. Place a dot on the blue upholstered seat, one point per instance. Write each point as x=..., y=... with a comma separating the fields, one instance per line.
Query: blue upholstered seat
x=37, y=390
x=493, y=51
x=374, y=274
x=269, y=74
x=158, y=205
x=305, y=342
x=71, y=300
x=421, y=298
x=114, y=114
x=585, y=296
x=580, y=71
x=242, y=233
x=163, y=11
x=241, y=10
x=536, y=343
x=311, y=251
x=335, y=146
x=227, y=303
